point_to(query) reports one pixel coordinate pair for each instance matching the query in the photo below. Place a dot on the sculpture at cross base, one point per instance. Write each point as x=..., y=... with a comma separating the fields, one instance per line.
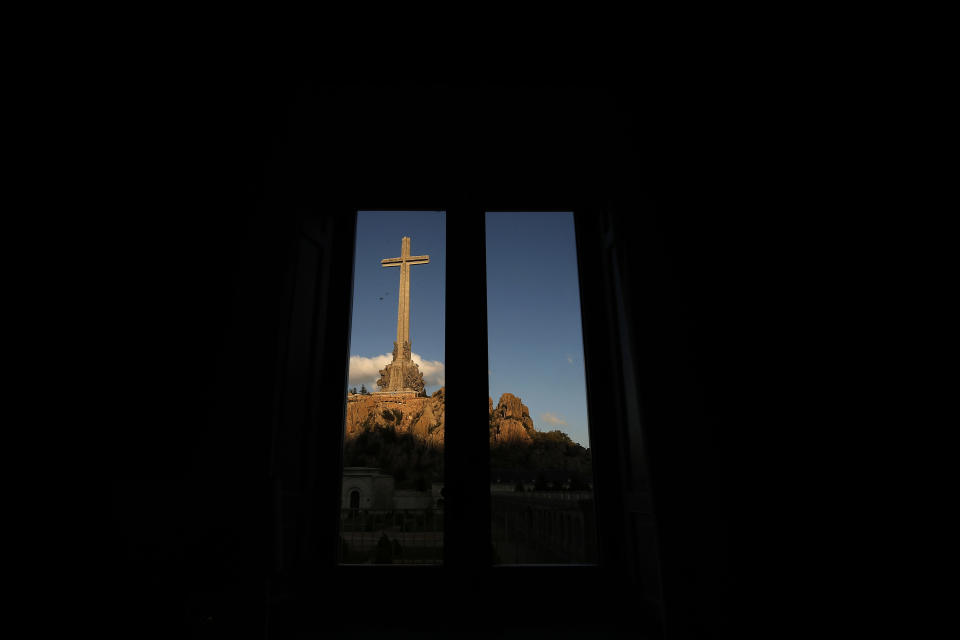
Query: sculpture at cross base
x=403, y=374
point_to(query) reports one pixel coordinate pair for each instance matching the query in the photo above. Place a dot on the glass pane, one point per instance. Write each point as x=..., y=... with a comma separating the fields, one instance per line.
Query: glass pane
x=392, y=493
x=540, y=465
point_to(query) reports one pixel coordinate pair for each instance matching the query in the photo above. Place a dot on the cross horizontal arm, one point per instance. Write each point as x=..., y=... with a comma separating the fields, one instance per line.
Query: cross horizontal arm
x=396, y=262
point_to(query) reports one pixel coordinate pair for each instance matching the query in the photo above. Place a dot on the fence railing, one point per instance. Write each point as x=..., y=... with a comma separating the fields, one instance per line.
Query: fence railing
x=527, y=527
x=403, y=520
x=391, y=536
x=556, y=530
x=565, y=496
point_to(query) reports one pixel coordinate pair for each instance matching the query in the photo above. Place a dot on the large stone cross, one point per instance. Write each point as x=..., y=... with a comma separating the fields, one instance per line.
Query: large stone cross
x=405, y=261
x=402, y=374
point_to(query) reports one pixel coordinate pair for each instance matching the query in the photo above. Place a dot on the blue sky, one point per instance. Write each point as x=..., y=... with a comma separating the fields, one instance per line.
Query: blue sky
x=375, y=289
x=535, y=339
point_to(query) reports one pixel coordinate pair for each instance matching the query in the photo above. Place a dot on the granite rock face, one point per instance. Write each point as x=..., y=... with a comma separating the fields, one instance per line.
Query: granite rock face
x=425, y=417
x=510, y=421
x=420, y=416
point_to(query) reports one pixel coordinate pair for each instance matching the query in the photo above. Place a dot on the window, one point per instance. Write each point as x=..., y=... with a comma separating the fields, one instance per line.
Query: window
x=310, y=482
x=541, y=476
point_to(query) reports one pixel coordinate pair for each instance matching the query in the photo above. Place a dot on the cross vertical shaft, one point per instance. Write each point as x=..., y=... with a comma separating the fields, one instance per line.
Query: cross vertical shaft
x=403, y=300
x=405, y=261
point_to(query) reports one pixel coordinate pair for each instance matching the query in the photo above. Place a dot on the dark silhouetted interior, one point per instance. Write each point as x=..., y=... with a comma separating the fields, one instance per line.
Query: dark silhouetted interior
x=243, y=190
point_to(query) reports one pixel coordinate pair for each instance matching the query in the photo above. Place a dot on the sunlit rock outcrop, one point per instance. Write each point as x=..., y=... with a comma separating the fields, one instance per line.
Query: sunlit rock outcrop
x=510, y=421
x=424, y=417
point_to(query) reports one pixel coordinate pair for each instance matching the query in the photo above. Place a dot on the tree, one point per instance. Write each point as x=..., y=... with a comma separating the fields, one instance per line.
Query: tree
x=363, y=390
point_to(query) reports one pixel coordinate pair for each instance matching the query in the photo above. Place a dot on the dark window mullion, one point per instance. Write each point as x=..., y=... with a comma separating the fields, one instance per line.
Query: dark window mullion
x=467, y=448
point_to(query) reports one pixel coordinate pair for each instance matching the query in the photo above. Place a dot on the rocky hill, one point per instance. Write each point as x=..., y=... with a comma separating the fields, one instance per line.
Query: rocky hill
x=424, y=418
x=421, y=417
x=404, y=437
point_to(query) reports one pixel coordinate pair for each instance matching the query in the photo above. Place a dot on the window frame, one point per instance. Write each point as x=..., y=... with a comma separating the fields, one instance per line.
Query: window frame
x=468, y=529
x=305, y=574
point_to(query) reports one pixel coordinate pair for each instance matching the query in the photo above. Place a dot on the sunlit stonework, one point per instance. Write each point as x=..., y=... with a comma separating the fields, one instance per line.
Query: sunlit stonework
x=402, y=375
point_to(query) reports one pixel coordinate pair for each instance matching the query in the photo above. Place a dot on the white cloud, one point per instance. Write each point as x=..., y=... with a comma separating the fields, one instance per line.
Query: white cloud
x=553, y=419
x=569, y=359
x=434, y=374
x=366, y=371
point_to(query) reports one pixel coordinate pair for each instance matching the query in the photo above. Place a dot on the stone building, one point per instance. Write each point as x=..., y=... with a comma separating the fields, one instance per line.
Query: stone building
x=366, y=488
